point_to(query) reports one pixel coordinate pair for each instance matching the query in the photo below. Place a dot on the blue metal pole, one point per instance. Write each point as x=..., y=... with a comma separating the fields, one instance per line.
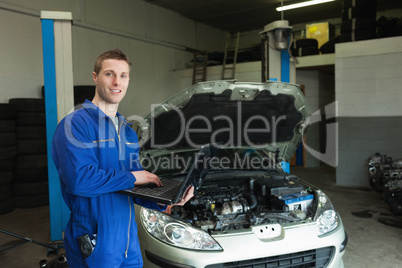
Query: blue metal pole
x=49, y=69
x=285, y=66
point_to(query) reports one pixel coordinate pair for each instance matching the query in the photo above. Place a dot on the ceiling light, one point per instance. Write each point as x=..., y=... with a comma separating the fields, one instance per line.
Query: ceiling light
x=303, y=4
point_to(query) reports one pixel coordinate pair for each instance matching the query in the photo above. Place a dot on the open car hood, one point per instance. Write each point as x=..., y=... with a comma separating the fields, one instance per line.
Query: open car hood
x=269, y=116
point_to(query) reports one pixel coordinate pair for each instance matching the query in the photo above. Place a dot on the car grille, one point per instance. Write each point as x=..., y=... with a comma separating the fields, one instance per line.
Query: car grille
x=311, y=258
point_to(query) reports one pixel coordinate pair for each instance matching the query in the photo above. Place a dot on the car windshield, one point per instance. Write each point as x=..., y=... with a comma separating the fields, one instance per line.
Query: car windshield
x=230, y=159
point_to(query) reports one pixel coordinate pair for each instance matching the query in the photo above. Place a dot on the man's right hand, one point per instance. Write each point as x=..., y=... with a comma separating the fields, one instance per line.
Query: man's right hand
x=145, y=177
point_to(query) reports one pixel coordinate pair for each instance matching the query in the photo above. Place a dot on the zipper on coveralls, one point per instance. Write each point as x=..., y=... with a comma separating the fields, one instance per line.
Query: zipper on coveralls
x=128, y=198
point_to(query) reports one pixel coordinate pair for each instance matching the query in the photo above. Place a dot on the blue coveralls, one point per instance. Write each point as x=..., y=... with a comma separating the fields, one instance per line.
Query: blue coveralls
x=94, y=162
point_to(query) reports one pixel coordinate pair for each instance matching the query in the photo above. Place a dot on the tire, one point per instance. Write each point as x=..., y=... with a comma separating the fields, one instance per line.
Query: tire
x=7, y=206
x=329, y=47
x=28, y=105
x=5, y=188
x=362, y=4
x=30, y=188
x=31, y=201
x=358, y=24
x=30, y=175
x=31, y=119
x=30, y=132
x=81, y=93
x=84, y=91
x=6, y=196
x=302, y=43
x=7, y=111
x=6, y=177
x=9, y=152
x=7, y=125
x=305, y=51
x=6, y=165
x=389, y=27
x=357, y=36
x=28, y=161
x=8, y=139
x=78, y=101
x=354, y=12
x=38, y=146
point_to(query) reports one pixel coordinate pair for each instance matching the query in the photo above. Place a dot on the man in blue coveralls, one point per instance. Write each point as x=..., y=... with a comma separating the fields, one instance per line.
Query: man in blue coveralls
x=92, y=150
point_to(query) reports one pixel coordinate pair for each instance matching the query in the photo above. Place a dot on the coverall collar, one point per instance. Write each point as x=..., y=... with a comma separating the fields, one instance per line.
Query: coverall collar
x=98, y=114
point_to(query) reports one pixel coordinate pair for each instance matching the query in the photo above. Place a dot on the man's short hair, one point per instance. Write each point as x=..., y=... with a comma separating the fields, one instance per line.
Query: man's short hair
x=115, y=54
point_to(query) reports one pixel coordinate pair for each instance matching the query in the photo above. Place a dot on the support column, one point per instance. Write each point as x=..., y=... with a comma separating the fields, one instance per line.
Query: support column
x=59, y=100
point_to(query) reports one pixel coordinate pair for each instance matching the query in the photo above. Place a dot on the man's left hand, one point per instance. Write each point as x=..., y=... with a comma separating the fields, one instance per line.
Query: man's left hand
x=187, y=196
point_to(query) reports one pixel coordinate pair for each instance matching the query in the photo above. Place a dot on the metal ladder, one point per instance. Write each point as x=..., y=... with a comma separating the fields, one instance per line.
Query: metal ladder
x=232, y=47
x=200, y=66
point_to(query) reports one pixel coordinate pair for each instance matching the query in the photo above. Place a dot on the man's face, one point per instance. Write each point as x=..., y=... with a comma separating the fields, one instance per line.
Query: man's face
x=112, y=81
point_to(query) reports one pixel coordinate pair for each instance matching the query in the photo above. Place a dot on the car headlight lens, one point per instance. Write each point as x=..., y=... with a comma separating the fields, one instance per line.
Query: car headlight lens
x=326, y=217
x=176, y=233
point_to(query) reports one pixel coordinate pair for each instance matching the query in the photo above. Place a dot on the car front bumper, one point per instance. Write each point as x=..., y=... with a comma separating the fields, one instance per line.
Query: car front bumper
x=296, y=246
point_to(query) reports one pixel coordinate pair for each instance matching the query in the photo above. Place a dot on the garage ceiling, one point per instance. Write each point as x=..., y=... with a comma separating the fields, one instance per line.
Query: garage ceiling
x=246, y=15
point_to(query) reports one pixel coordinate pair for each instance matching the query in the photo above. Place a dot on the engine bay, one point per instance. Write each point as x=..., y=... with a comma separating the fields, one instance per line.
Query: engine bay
x=226, y=203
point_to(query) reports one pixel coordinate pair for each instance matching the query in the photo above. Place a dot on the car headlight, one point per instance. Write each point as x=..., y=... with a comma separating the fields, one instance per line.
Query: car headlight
x=326, y=217
x=176, y=233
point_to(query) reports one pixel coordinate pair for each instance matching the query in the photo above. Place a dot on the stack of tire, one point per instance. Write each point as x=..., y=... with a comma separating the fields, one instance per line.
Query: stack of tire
x=329, y=46
x=30, y=184
x=8, y=149
x=304, y=47
x=389, y=27
x=359, y=20
x=81, y=93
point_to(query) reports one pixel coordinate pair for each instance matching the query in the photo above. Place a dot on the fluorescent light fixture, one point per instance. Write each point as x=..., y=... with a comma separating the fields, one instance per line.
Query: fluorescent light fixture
x=303, y=4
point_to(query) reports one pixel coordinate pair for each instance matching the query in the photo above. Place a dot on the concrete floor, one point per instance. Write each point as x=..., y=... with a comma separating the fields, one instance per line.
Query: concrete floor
x=375, y=234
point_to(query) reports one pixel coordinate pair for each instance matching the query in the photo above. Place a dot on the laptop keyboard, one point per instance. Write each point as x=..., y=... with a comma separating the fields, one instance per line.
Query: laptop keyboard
x=168, y=186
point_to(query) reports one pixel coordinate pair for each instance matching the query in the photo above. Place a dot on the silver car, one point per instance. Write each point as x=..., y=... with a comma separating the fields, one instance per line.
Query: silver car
x=247, y=211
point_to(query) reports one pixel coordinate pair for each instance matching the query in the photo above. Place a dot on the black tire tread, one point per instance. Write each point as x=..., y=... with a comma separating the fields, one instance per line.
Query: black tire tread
x=7, y=111
x=38, y=146
x=6, y=164
x=27, y=161
x=9, y=152
x=28, y=104
x=31, y=119
x=30, y=175
x=7, y=206
x=31, y=201
x=7, y=125
x=8, y=139
x=359, y=24
x=30, y=188
x=6, y=177
x=31, y=132
x=305, y=42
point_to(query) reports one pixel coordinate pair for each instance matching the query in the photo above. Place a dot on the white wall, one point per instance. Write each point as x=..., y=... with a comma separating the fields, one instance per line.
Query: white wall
x=368, y=90
x=369, y=77
x=21, y=71
x=155, y=39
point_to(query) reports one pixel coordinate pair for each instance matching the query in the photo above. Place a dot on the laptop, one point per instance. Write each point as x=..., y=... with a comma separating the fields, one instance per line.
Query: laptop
x=173, y=190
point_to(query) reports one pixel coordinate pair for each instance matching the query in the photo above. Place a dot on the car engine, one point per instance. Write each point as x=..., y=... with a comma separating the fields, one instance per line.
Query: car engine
x=235, y=203
x=386, y=175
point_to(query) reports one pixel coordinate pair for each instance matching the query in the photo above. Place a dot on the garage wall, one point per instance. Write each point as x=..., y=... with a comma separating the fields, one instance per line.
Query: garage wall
x=155, y=39
x=369, y=94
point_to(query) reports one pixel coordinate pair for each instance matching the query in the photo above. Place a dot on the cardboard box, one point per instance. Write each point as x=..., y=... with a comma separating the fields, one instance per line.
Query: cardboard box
x=322, y=31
